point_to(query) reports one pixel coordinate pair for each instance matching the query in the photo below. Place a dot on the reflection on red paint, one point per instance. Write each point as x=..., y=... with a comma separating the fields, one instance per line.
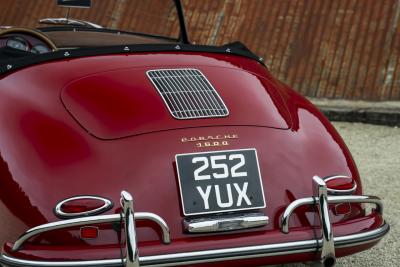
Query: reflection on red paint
x=54, y=141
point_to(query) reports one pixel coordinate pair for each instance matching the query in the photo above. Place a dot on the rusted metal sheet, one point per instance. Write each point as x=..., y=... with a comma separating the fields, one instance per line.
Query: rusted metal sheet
x=347, y=49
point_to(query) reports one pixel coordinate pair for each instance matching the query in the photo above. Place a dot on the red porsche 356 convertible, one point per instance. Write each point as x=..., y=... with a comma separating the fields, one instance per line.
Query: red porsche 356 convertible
x=131, y=149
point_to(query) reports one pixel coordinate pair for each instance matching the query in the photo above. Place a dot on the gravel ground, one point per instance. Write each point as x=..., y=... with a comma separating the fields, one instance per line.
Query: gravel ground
x=376, y=150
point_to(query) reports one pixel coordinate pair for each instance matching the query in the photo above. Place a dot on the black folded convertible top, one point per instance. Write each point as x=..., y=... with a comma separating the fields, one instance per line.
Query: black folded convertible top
x=10, y=61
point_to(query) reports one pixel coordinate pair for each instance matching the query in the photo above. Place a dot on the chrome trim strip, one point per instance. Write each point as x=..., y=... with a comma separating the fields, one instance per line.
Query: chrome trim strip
x=237, y=253
x=106, y=206
x=11, y=261
x=225, y=223
x=338, y=191
x=217, y=255
x=69, y=21
x=362, y=238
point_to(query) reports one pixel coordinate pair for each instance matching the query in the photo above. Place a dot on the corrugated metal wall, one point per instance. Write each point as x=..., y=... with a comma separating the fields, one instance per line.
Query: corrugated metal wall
x=346, y=49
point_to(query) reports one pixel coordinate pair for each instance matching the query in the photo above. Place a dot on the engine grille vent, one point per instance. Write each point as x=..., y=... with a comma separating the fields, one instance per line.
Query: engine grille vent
x=187, y=93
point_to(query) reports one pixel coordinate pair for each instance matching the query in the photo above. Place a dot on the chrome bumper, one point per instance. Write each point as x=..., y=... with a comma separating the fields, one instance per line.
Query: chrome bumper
x=326, y=244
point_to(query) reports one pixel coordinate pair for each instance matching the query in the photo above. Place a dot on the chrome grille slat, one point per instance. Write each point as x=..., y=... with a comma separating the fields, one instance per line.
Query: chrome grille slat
x=202, y=90
x=169, y=99
x=198, y=93
x=179, y=110
x=192, y=106
x=187, y=93
x=183, y=92
x=206, y=90
x=211, y=92
x=180, y=98
x=193, y=95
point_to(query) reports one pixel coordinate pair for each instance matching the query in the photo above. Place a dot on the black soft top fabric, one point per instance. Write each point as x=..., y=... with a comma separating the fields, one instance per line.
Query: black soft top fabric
x=11, y=60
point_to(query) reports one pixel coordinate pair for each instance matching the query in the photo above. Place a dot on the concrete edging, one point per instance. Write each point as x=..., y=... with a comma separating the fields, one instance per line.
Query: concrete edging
x=381, y=113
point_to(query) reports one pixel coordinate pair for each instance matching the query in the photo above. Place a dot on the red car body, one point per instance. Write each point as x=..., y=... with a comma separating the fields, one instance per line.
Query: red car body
x=95, y=126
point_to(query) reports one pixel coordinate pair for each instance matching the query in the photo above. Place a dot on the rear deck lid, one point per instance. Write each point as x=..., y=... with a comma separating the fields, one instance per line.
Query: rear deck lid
x=133, y=101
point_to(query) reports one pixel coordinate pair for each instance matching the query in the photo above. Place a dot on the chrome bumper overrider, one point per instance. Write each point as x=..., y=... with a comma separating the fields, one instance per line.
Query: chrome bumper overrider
x=322, y=200
x=325, y=245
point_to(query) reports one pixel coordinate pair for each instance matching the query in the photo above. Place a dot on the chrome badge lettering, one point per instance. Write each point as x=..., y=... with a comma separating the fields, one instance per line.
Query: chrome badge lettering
x=210, y=140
